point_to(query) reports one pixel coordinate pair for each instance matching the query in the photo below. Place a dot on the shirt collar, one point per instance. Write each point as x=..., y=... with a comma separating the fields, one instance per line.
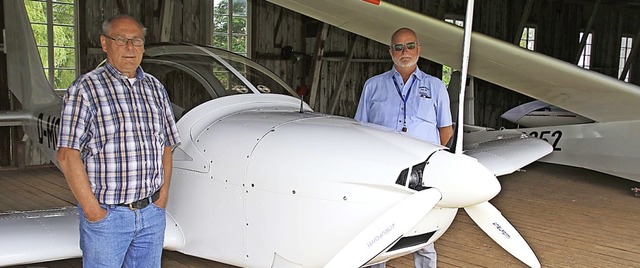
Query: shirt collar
x=114, y=72
x=416, y=73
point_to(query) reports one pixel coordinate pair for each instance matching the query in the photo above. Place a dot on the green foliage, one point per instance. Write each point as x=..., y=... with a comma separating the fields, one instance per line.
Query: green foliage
x=222, y=28
x=63, y=40
x=446, y=75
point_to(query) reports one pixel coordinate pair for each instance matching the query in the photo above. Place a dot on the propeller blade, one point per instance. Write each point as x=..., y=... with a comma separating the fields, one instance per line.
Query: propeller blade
x=491, y=221
x=386, y=229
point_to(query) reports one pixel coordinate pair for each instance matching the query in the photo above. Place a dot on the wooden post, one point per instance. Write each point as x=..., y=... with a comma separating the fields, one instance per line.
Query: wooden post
x=20, y=155
x=523, y=20
x=166, y=20
x=317, y=63
x=336, y=96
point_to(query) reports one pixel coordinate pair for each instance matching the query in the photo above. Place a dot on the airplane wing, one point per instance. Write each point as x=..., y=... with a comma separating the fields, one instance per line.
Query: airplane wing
x=533, y=74
x=38, y=236
x=506, y=152
x=518, y=112
x=17, y=22
x=53, y=234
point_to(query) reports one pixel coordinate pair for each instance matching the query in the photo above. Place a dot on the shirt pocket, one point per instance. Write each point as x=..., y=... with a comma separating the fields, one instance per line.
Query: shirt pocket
x=427, y=110
x=104, y=129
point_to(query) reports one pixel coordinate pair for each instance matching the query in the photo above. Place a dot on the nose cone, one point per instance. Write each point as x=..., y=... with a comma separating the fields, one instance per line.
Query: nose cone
x=461, y=179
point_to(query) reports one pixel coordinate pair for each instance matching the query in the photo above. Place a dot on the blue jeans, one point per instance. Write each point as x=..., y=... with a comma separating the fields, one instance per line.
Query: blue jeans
x=124, y=238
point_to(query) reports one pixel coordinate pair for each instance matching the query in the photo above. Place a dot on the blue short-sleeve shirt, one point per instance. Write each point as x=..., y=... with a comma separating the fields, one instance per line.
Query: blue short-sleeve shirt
x=427, y=104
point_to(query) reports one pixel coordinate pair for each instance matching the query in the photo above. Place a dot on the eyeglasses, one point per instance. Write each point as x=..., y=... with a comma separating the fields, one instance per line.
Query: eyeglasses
x=122, y=41
x=400, y=47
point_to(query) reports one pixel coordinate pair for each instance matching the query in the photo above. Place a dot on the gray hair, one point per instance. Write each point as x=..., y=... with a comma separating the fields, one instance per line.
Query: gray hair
x=106, y=24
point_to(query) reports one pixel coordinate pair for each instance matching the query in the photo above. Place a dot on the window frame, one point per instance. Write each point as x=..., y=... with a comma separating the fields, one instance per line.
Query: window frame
x=585, y=55
x=50, y=46
x=527, y=38
x=447, y=70
x=625, y=47
x=230, y=34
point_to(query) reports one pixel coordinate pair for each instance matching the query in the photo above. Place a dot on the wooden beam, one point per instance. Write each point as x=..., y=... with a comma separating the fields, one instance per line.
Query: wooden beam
x=83, y=43
x=276, y=30
x=336, y=96
x=441, y=9
x=302, y=73
x=121, y=9
x=583, y=40
x=523, y=20
x=5, y=100
x=166, y=20
x=278, y=57
x=317, y=63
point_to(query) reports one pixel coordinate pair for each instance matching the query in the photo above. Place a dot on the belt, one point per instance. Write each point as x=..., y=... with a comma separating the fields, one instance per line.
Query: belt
x=142, y=203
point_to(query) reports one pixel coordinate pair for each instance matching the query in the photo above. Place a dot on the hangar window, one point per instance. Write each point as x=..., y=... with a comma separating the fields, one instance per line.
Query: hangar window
x=585, y=55
x=54, y=28
x=457, y=22
x=625, y=51
x=231, y=25
x=230, y=28
x=446, y=70
x=528, y=38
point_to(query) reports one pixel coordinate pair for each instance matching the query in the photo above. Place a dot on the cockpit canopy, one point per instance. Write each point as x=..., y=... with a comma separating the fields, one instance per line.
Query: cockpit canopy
x=195, y=74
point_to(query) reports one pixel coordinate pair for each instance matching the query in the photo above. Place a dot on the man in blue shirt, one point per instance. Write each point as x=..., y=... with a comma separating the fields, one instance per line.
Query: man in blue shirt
x=408, y=100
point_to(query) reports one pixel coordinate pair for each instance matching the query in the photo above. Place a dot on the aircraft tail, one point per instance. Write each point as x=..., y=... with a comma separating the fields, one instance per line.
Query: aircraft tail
x=25, y=70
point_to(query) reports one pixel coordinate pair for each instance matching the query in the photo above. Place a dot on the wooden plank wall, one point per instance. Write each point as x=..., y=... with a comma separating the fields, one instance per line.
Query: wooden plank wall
x=5, y=143
x=554, y=21
x=273, y=29
x=558, y=24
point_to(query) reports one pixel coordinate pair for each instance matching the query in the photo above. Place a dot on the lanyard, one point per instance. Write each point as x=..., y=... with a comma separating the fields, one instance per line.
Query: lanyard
x=404, y=100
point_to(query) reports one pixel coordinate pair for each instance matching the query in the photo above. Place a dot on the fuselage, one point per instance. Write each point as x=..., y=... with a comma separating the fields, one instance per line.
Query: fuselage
x=604, y=147
x=259, y=179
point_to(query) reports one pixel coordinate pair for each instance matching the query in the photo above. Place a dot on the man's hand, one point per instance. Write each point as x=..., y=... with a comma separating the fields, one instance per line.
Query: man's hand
x=95, y=215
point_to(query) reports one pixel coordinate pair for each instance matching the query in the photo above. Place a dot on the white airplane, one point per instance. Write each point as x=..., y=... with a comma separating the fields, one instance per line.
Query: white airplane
x=606, y=144
x=260, y=180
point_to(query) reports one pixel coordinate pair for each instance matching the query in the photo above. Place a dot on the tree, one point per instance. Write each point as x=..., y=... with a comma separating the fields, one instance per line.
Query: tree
x=239, y=23
x=63, y=71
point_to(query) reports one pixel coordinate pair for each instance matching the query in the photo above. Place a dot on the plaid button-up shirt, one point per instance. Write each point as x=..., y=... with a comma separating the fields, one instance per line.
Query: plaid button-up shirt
x=121, y=129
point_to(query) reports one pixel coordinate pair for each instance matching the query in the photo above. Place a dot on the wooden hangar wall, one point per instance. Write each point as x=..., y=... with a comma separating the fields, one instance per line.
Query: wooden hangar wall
x=274, y=29
x=285, y=42
x=338, y=84
x=558, y=25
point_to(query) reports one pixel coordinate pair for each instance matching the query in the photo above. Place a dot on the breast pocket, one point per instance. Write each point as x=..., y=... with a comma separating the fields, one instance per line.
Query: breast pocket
x=426, y=110
x=104, y=131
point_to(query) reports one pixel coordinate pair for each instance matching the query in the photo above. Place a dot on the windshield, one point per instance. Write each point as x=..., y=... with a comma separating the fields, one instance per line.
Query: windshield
x=196, y=74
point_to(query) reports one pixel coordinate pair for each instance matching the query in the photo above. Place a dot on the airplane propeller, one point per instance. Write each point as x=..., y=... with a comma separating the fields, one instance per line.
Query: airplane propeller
x=496, y=226
x=386, y=229
x=470, y=188
x=484, y=214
